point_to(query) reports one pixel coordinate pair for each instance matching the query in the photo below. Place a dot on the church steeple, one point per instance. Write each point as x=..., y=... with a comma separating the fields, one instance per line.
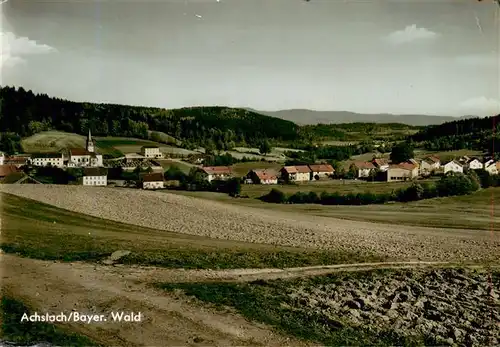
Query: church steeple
x=90, y=143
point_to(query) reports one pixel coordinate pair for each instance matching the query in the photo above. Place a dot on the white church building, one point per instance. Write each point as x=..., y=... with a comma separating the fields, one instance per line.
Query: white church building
x=85, y=157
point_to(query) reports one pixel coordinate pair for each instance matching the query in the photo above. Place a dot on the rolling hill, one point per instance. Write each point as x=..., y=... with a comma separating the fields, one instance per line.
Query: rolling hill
x=304, y=117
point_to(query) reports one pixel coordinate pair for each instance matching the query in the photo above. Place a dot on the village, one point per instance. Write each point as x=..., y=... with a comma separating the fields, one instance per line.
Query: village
x=95, y=169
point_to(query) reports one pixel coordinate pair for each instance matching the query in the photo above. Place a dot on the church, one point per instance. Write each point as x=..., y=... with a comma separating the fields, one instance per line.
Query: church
x=85, y=157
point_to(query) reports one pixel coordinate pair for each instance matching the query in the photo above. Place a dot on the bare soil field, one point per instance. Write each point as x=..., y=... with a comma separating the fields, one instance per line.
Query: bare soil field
x=164, y=211
x=431, y=307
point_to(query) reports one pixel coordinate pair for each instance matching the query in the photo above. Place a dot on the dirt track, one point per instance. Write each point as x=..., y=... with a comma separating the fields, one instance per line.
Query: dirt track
x=87, y=288
x=188, y=215
x=61, y=287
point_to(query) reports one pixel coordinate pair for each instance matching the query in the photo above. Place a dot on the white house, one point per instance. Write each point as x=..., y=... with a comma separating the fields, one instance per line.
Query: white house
x=298, y=173
x=474, y=164
x=381, y=164
x=151, y=152
x=453, y=166
x=153, y=181
x=363, y=168
x=220, y=173
x=84, y=157
x=94, y=176
x=429, y=165
x=45, y=159
x=492, y=167
x=2, y=158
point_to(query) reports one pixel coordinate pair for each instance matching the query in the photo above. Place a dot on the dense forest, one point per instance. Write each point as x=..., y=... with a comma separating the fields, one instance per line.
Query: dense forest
x=359, y=131
x=25, y=113
x=473, y=133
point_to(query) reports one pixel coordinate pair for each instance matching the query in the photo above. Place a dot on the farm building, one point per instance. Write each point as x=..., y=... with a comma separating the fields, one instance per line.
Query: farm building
x=453, y=166
x=219, y=173
x=45, y=159
x=363, y=169
x=95, y=176
x=402, y=172
x=381, y=164
x=319, y=171
x=264, y=176
x=298, y=173
x=152, y=180
x=151, y=152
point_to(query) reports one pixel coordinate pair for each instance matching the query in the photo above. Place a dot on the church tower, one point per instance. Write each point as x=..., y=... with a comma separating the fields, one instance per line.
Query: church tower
x=90, y=143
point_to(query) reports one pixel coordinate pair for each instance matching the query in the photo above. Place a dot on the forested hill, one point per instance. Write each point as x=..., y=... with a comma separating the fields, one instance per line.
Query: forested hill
x=25, y=113
x=473, y=133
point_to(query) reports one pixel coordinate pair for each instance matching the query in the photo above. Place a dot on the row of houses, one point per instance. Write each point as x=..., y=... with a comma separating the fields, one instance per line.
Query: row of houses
x=422, y=167
x=297, y=173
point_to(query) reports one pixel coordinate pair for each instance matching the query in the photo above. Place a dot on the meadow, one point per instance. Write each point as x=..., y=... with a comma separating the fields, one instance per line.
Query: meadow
x=52, y=141
x=329, y=185
x=476, y=211
x=132, y=145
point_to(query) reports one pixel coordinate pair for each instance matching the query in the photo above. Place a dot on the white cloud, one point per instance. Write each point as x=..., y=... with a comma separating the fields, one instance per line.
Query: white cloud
x=13, y=49
x=479, y=60
x=409, y=34
x=481, y=106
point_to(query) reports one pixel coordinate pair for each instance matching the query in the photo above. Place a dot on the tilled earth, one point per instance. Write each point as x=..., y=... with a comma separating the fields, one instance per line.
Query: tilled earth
x=452, y=306
x=164, y=211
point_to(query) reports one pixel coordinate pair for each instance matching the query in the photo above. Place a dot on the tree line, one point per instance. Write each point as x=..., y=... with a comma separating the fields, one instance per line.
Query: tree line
x=449, y=185
x=472, y=133
x=25, y=113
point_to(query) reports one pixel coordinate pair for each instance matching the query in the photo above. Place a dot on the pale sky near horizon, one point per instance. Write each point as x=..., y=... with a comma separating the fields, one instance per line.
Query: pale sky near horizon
x=437, y=57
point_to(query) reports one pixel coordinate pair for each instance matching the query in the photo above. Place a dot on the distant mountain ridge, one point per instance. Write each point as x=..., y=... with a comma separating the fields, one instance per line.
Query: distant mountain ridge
x=303, y=117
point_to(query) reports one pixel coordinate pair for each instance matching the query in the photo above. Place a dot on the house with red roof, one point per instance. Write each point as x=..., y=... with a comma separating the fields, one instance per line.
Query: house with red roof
x=296, y=173
x=363, y=168
x=319, y=171
x=262, y=176
x=218, y=173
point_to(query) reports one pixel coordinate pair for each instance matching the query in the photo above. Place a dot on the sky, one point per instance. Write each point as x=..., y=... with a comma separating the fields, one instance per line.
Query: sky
x=436, y=57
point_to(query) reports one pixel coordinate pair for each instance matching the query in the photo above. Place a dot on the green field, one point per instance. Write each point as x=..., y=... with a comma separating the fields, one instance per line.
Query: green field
x=476, y=211
x=183, y=166
x=331, y=186
x=41, y=231
x=52, y=141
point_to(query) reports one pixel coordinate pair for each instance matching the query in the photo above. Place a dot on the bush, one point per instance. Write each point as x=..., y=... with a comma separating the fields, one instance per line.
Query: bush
x=233, y=187
x=485, y=179
x=455, y=184
x=275, y=196
x=175, y=174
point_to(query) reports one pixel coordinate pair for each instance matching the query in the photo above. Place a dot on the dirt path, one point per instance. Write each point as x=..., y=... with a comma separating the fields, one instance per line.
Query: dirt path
x=168, y=320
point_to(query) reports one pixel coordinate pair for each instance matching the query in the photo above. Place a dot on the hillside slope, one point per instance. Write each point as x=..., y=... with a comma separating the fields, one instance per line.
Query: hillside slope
x=337, y=117
x=473, y=133
x=25, y=113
